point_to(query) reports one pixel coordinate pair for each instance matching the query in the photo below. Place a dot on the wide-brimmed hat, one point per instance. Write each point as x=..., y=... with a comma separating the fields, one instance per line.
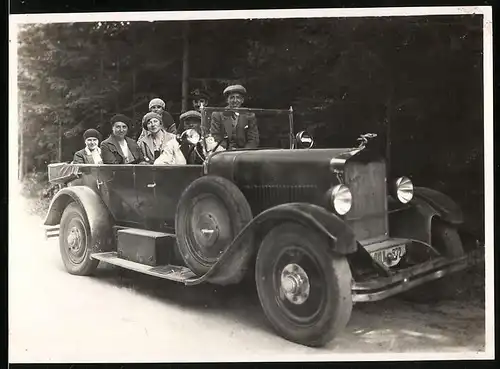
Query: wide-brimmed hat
x=91, y=133
x=157, y=101
x=190, y=114
x=120, y=118
x=148, y=116
x=235, y=88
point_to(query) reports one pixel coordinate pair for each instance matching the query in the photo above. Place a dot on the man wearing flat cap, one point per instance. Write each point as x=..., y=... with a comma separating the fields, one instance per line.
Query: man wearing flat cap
x=157, y=106
x=240, y=128
x=91, y=154
x=192, y=120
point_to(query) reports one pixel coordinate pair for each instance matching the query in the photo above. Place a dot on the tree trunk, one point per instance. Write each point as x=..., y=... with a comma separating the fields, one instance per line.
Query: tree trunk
x=101, y=77
x=118, y=80
x=185, y=67
x=388, y=118
x=59, y=151
x=21, y=144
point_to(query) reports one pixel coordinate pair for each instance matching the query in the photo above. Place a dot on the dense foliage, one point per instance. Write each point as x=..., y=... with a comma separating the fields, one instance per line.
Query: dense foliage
x=415, y=80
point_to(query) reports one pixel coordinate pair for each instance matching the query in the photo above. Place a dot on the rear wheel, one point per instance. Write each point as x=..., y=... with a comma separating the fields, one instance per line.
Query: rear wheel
x=211, y=213
x=74, y=241
x=446, y=240
x=304, y=289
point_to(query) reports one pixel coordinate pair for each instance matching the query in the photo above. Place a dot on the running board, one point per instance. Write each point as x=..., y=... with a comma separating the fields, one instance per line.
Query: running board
x=171, y=272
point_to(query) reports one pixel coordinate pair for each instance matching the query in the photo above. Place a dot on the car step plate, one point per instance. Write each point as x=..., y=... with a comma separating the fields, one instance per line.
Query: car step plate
x=171, y=272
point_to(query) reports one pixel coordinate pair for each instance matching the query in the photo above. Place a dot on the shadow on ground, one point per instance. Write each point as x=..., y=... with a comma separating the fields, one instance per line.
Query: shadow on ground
x=391, y=325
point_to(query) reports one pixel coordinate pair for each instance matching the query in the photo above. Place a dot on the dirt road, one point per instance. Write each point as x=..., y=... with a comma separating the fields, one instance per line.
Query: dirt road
x=123, y=316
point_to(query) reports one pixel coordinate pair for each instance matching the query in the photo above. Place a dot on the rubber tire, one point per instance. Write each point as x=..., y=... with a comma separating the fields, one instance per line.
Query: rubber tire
x=231, y=198
x=446, y=287
x=88, y=265
x=338, y=307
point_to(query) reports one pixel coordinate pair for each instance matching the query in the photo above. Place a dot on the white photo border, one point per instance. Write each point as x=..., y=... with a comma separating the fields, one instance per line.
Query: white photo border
x=18, y=19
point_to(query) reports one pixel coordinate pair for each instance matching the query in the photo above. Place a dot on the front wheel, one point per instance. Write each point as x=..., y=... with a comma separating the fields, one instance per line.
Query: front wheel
x=74, y=241
x=304, y=289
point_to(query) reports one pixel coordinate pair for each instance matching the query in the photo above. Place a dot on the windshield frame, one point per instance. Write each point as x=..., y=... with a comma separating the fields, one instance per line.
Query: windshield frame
x=210, y=109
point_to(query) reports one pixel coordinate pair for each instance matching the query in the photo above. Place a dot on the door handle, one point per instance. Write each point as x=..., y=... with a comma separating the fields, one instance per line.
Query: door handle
x=99, y=183
x=151, y=185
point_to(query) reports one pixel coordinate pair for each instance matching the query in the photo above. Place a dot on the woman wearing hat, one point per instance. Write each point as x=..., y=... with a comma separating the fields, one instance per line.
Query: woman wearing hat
x=118, y=148
x=157, y=140
x=157, y=106
x=91, y=154
x=240, y=128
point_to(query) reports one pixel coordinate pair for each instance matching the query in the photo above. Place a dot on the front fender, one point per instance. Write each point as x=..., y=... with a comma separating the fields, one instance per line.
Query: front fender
x=99, y=218
x=414, y=221
x=447, y=209
x=235, y=260
x=327, y=223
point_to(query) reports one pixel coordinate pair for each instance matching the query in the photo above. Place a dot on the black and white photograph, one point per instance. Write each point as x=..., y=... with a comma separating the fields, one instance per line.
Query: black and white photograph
x=251, y=185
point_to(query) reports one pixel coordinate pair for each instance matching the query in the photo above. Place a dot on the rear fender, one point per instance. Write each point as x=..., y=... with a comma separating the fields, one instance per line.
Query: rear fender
x=96, y=212
x=235, y=260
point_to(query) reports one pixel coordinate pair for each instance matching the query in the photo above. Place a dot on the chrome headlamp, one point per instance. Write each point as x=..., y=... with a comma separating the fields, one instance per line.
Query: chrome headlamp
x=192, y=136
x=341, y=199
x=404, y=189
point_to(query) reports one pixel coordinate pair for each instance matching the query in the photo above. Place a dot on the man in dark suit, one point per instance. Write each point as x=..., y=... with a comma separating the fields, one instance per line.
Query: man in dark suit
x=91, y=154
x=240, y=128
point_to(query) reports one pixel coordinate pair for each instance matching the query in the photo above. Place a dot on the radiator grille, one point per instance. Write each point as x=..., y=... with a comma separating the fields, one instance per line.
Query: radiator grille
x=262, y=197
x=368, y=215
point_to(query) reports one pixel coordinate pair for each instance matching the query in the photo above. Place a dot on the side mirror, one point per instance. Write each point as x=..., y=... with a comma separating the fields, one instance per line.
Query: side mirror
x=304, y=140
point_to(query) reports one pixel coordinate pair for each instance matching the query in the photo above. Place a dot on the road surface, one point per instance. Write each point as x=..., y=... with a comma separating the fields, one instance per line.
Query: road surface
x=123, y=316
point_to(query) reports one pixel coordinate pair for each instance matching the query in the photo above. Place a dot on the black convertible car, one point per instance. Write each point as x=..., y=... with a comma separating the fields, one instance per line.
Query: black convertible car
x=319, y=229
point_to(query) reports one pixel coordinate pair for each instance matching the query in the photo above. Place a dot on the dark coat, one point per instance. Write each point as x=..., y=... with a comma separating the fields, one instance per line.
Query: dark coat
x=205, y=127
x=168, y=122
x=246, y=134
x=82, y=157
x=112, y=153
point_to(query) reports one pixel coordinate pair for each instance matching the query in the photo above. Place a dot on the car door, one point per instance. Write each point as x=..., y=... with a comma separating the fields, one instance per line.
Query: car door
x=145, y=187
x=116, y=186
x=170, y=182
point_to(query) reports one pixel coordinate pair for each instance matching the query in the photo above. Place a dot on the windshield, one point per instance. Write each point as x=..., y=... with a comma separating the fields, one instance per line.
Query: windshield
x=275, y=126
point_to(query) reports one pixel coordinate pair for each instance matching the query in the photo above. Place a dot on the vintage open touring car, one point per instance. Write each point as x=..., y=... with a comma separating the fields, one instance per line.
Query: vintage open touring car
x=319, y=229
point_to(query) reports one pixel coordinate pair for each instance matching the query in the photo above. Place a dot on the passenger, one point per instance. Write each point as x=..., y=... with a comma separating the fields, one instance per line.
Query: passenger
x=240, y=128
x=158, y=106
x=154, y=142
x=91, y=154
x=200, y=98
x=192, y=120
x=118, y=148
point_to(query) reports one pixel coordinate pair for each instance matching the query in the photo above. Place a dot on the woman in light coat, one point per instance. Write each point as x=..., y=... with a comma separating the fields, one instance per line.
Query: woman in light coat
x=158, y=145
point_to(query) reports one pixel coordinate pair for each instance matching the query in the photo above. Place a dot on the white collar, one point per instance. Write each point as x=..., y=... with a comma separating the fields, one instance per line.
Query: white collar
x=88, y=152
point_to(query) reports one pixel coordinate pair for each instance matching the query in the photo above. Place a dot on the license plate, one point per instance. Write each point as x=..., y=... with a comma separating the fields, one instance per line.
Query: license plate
x=390, y=256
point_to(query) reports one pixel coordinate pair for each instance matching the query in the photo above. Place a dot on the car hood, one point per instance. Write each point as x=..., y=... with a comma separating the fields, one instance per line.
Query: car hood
x=279, y=166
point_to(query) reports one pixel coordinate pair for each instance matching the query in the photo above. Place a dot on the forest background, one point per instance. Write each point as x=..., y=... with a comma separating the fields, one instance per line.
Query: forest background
x=416, y=81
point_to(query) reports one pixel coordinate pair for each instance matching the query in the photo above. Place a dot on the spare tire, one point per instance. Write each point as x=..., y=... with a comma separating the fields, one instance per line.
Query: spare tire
x=210, y=214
